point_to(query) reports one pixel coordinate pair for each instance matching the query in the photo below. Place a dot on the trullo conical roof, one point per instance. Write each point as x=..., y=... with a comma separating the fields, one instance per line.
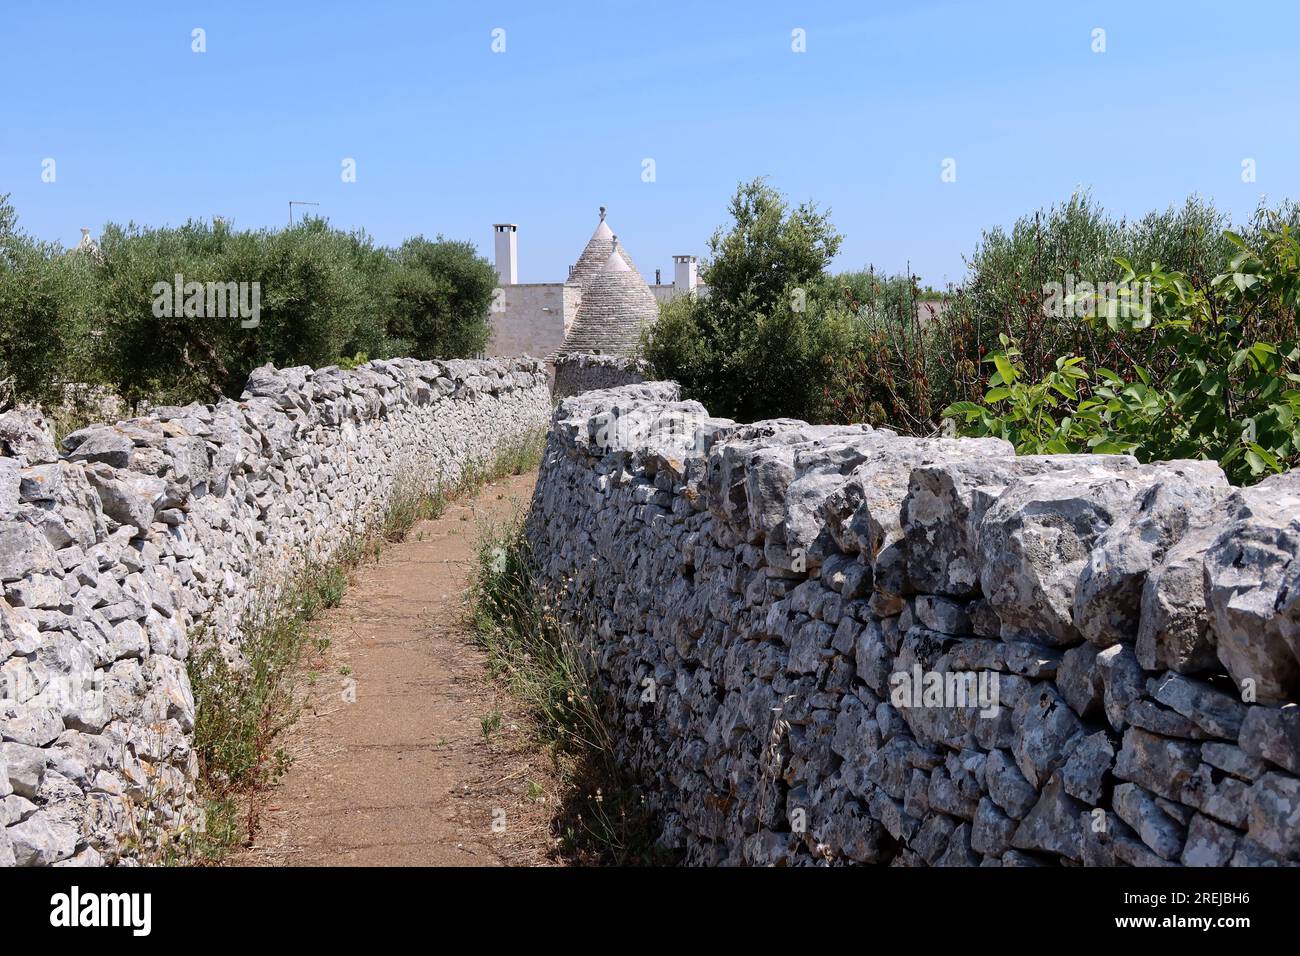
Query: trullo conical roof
x=615, y=306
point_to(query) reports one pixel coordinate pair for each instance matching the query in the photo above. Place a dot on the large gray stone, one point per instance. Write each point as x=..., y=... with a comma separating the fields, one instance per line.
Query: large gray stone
x=1274, y=814
x=1046, y=732
x=1054, y=825
x=1214, y=711
x=23, y=551
x=1154, y=827
x=1217, y=794
x=26, y=434
x=129, y=499
x=44, y=838
x=945, y=503
x=1123, y=683
x=1174, y=627
x=1208, y=843
x=108, y=444
x=1158, y=764
x=1252, y=585
x=1273, y=734
x=1084, y=774
x=1108, y=595
x=1233, y=759
x=10, y=485
x=992, y=830
x=1036, y=540
x=1079, y=681
x=1008, y=786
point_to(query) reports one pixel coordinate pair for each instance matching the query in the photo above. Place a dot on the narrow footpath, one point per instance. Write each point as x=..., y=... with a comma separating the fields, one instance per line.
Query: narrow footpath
x=406, y=752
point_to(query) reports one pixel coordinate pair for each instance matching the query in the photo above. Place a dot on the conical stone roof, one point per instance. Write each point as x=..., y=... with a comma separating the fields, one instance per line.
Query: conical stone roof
x=615, y=306
x=599, y=247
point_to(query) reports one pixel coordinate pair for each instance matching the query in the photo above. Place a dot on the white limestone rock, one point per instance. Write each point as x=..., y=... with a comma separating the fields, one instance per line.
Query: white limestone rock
x=27, y=436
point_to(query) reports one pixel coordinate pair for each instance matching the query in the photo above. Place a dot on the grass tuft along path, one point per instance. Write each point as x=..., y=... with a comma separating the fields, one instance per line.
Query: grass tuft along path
x=406, y=753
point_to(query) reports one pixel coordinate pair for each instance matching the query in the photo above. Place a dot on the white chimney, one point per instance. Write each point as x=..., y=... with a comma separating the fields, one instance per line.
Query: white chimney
x=507, y=238
x=684, y=274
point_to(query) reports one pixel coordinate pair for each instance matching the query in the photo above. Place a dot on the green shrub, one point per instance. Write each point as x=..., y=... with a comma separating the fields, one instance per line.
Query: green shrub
x=885, y=350
x=909, y=362
x=321, y=296
x=439, y=295
x=1077, y=242
x=909, y=354
x=757, y=345
x=1223, y=383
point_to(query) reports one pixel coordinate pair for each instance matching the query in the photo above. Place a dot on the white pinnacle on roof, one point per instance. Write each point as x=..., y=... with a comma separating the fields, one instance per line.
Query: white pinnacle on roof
x=598, y=250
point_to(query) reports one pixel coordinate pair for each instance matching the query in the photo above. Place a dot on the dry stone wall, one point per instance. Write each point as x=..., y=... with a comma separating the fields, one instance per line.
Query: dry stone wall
x=581, y=372
x=839, y=644
x=118, y=554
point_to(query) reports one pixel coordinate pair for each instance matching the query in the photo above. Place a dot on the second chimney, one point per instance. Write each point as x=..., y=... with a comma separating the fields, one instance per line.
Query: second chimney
x=684, y=274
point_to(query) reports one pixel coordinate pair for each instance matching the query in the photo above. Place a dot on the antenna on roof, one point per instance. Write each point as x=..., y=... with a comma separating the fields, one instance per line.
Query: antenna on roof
x=602, y=213
x=298, y=202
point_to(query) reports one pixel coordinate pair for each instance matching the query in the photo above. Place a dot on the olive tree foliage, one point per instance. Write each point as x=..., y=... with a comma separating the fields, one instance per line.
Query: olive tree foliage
x=439, y=296
x=314, y=290
x=912, y=358
x=1223, y=386
x=1011, y=272
x=179, y=314
x=45, y=294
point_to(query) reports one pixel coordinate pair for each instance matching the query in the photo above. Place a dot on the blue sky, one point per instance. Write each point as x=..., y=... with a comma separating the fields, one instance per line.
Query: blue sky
x=449, y=137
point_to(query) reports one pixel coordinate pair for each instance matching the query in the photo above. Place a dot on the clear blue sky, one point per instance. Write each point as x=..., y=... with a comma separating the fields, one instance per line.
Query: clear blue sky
x=449, y=137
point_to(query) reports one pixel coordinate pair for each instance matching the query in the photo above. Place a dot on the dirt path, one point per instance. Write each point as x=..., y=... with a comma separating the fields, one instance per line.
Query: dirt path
x=406, y=774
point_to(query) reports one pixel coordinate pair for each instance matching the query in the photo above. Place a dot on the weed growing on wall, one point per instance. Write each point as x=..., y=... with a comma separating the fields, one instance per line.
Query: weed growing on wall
x=244, y=707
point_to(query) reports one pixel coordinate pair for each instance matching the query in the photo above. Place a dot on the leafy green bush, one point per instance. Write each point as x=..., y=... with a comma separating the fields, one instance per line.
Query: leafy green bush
x=757, y=346
x=908, y=352
x=1223, y=384
x=1078, y=243
x=867, y=347
x=439, y=296
x=911, y=361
